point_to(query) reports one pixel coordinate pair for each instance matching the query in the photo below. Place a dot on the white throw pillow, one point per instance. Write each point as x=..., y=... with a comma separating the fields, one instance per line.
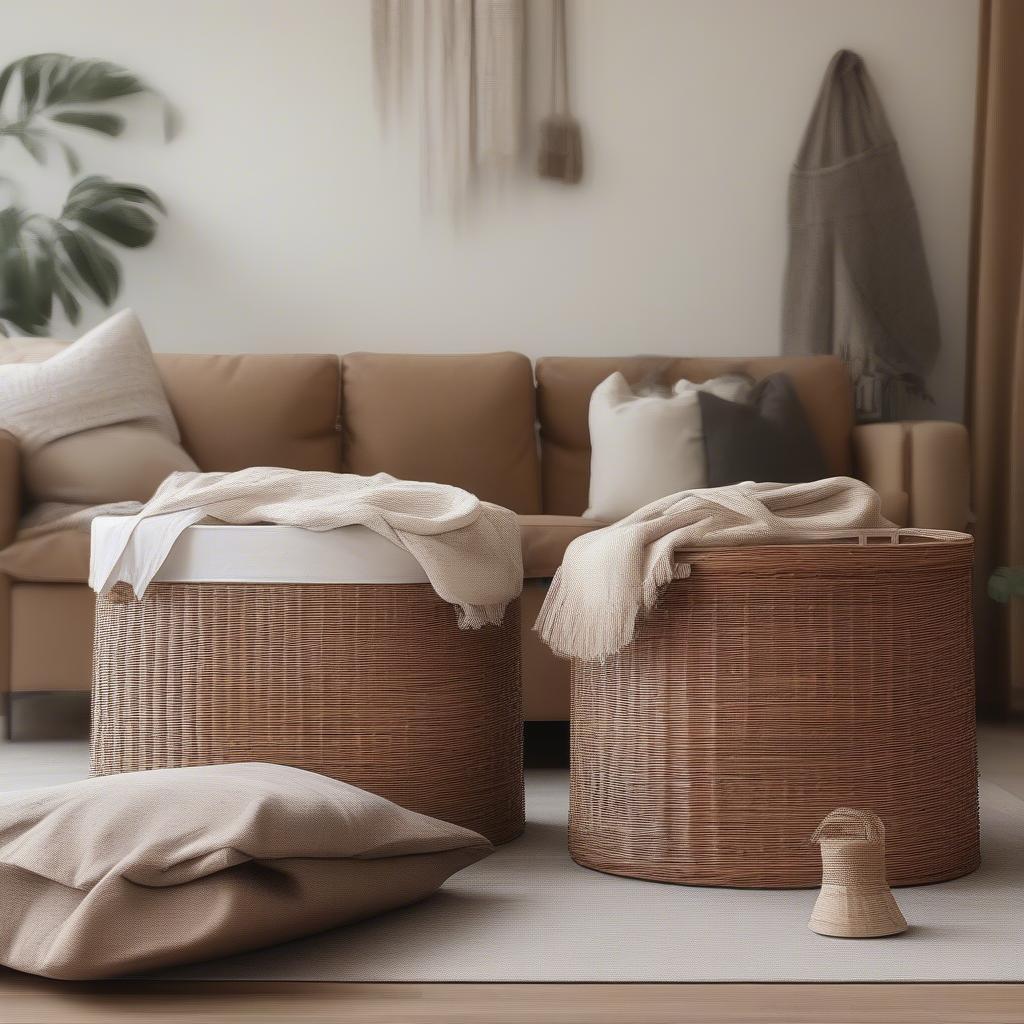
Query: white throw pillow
x=93, y=421
x=107, y=376
x=644, y=446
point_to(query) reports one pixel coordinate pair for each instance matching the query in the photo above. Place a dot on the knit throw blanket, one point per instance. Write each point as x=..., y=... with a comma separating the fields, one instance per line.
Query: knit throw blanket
x=607, y=578
x=469, y=549
x=857, y=281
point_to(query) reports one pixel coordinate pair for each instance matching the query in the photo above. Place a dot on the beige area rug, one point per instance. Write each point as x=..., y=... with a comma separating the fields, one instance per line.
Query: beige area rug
x=528, y=913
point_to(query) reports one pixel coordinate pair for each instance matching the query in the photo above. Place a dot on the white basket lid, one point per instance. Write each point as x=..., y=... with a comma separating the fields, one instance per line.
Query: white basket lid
x=219, y=553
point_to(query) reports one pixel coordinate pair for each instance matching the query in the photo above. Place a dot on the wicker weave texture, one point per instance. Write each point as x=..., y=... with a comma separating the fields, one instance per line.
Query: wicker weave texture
x=772, y=686
x=372, y=684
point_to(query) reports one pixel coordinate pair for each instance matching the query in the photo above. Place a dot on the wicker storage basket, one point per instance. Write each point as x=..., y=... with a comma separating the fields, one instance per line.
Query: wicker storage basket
x=773, y=685
x=374, y=684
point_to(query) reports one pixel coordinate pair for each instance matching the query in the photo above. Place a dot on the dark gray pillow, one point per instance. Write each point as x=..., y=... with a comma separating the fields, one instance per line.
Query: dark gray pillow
x=767, y=438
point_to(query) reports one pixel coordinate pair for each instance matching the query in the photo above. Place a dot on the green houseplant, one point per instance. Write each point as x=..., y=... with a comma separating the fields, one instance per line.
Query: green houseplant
x=1005, y=583
x=46, y=260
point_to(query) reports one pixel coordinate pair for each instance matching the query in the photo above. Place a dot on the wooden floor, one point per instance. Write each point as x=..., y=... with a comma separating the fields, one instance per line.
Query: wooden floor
x=24, y=999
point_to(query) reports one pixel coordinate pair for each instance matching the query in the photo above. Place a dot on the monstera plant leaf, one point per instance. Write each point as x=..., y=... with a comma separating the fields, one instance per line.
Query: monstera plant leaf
x=59, y=91
x=113, y=209
x=62, y=260
x=48, y=259
x=1006, y=582
x=26, y=273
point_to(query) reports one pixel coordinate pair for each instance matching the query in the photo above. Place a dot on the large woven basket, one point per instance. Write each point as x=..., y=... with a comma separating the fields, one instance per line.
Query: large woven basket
x=773, y=685
x=369, y=683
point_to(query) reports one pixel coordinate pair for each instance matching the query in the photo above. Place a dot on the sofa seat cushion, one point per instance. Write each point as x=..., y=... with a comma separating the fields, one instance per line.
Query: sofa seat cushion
x=142, y=870
x=59, y=557
x=545, y=539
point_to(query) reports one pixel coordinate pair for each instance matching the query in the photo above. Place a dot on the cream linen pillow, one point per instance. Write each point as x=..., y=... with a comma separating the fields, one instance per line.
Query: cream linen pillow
x=645, y=446
x=148, y=869
x=93, y=420
x=125, y=462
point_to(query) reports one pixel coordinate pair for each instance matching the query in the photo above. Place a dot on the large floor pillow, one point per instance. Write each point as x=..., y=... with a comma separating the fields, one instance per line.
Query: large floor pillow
x=147, y=869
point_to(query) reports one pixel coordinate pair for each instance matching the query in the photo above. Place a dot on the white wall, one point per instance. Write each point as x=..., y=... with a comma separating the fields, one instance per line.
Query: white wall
x=294, y=227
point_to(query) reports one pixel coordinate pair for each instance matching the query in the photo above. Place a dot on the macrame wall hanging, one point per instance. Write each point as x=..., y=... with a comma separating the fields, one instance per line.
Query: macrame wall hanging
x=466, y=61
x=857, y=282
x=459, y=69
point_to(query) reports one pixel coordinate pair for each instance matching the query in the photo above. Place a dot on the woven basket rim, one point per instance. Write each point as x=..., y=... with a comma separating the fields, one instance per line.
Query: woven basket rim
x=880, y=543
x=822, y=550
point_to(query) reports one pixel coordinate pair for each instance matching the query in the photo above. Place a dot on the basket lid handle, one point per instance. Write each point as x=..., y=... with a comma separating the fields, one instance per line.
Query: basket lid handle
x=850, y=823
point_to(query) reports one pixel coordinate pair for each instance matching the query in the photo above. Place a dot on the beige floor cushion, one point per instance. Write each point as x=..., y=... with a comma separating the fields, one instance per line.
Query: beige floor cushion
x=143, y=870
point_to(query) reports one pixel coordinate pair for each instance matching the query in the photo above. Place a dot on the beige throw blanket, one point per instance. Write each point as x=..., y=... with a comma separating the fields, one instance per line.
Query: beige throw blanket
x=610, y=576
x=469, y=549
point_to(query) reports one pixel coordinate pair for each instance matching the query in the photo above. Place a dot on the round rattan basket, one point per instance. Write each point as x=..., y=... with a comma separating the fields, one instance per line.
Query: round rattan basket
x=373, y=684
x=773, y=685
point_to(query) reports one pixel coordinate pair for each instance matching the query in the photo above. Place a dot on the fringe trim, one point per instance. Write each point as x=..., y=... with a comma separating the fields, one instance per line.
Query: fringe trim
x=476, y=616
x=599, y=628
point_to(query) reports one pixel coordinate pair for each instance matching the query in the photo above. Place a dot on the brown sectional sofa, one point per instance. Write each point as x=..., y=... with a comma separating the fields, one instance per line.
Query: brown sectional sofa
x=492, y=423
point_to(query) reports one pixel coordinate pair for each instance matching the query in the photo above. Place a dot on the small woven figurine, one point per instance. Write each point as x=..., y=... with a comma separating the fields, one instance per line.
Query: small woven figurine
x=855, y=901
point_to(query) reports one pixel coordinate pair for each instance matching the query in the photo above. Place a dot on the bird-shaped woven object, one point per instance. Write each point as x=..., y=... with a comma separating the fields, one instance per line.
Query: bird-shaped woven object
x=855, y=901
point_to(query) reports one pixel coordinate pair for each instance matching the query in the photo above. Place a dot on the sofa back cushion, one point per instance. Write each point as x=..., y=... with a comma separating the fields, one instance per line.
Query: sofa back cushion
x=467, y=420
x=236, y=411
x=565, y=383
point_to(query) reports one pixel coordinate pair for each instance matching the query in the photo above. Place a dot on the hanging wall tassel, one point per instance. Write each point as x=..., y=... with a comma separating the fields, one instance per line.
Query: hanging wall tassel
x=561, y=142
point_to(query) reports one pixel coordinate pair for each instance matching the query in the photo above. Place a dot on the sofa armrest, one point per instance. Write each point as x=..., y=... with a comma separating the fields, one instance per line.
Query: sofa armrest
x=921, y=468
x=10, y=487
